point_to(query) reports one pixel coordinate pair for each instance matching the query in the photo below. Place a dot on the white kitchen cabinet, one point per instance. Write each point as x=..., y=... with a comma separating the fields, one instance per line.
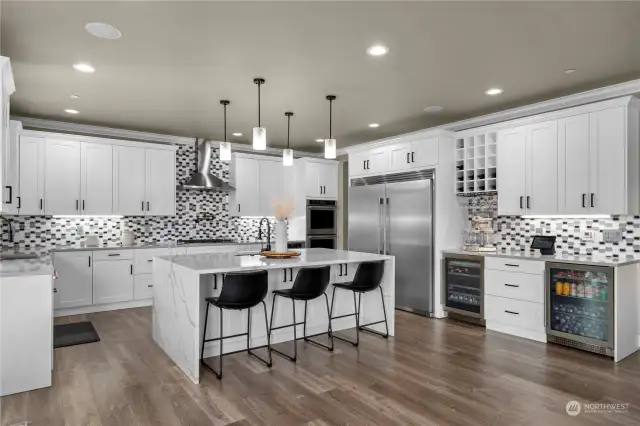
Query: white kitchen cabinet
x=32, y=152
x=329, y=180
x=129, y=177
x=74, y=286
x=372, y=162
x=511, y=171
x=112, y=281
x=320, y=179
x=96, y=179
x=425, y=152
x=62, y=177
x=143, y=287
x=271, y=173
x=400, y=157
x=573, y=162
x=542, y=168
x=245, y=177
x=8, y=145
x=160, y=182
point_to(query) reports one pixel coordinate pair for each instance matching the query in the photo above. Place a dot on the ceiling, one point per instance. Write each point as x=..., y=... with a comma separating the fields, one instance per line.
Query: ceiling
x=177, y=60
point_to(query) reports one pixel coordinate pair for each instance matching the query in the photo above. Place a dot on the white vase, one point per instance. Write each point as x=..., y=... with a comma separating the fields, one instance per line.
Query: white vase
x=281, y=236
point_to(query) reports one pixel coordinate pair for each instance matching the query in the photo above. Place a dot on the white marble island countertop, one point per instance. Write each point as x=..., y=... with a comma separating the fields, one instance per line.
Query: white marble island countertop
x=217, y=263
x=25, y=267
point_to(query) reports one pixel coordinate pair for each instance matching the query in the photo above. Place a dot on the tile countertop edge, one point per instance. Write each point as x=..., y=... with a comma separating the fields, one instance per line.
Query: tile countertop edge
x=558, y=258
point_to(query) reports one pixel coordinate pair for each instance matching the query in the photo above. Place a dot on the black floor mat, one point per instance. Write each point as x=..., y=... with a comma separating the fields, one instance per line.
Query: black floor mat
x=76, y=333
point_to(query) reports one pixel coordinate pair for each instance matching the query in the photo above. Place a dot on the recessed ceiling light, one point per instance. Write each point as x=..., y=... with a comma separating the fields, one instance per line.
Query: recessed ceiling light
x=377, y=50
x=102, y=30
x=319, y=140
x=236, y=134
x=374, y=125
x=83, y=67
x=71, y=111
x=74, y=96
x=569, y=71
x=433, y=108
x=494, y=91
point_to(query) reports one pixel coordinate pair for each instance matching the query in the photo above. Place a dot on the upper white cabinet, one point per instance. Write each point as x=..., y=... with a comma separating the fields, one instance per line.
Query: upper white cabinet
x=271, y=184
x=528, y=169
x=244, y=173
x=62, y=177
x=371, y=162
x=573, y=137
x=320, y=179
x=31, y=175
x=8, y=145
x=96, y=182
x=144, y=181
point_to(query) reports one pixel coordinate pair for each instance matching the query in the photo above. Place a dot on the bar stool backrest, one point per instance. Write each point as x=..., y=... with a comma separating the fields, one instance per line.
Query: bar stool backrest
x=311, y=282
x=244, y=289
x=369, y=275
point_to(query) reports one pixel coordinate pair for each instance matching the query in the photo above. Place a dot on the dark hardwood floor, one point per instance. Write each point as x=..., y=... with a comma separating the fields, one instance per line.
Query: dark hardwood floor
x=434, y=372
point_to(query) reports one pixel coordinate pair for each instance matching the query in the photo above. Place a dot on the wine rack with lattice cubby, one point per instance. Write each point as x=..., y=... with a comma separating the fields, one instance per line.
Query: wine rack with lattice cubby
x=475, y=162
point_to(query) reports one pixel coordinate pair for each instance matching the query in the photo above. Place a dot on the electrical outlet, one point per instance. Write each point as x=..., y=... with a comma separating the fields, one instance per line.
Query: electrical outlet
x=611, y=235
x=588, y=235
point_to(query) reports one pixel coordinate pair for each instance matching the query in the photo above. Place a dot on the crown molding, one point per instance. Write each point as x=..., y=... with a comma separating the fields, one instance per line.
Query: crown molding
x=628, y=88
x=133, y=135
x=405, y=137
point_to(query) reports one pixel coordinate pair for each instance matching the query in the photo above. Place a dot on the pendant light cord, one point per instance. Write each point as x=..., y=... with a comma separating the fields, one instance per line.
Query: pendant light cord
x=331, y=98
x=225, y=122
x=259, y=104
x=288, y=129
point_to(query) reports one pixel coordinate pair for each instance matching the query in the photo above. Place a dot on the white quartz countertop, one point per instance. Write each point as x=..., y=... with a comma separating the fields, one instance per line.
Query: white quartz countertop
x=218, y=263
x=25, y=267
x=117, y=246
x=558, y=257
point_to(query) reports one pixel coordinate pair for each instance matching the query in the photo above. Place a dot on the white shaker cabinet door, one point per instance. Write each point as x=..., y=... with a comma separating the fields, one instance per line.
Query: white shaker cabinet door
x=400, y=157
x=608, y=173
x=245, y=177
x=32, y=175
x=160, y=197
x=425, y=152
x=312, y=180
x=74, y=286
x=511, y=171
x=271, y=186
x=97, y=178
x=542, y=168
x=329, y=180
x=129, y=173
x=62, y=177
x=573, y=157
x=112, y=281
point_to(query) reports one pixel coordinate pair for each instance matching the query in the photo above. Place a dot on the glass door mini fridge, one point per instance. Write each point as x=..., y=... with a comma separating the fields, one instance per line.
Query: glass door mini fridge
x=580, y=306
x=463, y=286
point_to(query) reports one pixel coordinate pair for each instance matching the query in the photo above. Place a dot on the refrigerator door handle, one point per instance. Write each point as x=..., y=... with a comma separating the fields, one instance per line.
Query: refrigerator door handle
x=387, y=229
x=380, y=227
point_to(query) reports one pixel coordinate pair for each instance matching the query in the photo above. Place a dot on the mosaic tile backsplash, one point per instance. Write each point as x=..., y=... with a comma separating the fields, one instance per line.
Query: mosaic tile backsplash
x=199, y=214
x=516, y=233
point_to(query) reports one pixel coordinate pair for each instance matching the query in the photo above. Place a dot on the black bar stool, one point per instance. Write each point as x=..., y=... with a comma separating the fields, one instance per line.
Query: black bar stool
x=368, y=278
x=240, y=290
x=310, y=284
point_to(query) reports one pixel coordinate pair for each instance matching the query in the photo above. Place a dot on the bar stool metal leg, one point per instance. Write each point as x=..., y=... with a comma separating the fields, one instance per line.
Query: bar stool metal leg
x=308, y=339
x=356, y=314
x=386, y=325
x=295, y=336
x=204, y=339
x=267, y=363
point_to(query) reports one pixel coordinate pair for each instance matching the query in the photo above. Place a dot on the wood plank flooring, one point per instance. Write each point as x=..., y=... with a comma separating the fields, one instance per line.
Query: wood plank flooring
x=434, y=372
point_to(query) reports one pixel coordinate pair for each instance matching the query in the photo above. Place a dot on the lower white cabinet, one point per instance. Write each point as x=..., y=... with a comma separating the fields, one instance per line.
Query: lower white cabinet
x=112, y=281
x=519, y=314
x=143, y=287
x=75, y=277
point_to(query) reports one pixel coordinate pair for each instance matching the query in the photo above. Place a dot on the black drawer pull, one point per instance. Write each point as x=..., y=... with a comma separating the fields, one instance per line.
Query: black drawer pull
x=512, y=313
x=150, y=285
x=512, y=265
x=340, y=274
x=131, y=270
x=512, y=285
x=150, y=260
x=55, y=290
x=113, y=254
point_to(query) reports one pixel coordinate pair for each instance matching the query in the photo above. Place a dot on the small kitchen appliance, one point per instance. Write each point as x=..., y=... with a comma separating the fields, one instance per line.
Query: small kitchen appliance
x=480, y=237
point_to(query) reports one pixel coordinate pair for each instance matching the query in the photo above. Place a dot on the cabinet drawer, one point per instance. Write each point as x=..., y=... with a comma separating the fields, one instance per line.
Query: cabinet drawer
x=516, y=313
x=514, y=265
x=99, y=255
x=514, y=285
x=143, y=263
x=143, y=287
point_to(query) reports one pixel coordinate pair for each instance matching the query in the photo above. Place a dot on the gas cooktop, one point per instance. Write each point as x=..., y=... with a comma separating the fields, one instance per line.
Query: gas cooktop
x=206, y=241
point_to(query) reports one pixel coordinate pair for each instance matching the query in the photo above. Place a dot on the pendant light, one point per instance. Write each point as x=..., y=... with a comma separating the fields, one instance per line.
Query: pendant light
x=330, y=144
x=225, y=147
x=287, y=154
x=259, y=133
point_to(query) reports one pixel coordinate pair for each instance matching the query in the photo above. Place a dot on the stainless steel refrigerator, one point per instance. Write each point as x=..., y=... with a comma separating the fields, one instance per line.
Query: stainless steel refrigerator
x=394, y=215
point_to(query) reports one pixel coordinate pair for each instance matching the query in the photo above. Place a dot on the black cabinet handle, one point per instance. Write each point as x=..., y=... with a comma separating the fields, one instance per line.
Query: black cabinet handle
x=290, y=274
x=215, y=282
x=89, y=261
x=320, y=189
x=284, y=280
x=511, y=285
x=521, y=200
x=512, y=313
x=238, y=208
x=142, y=205
x=367, y=164
x=41, y=204
x=340, y=274
x=512, y=265
x=19, y=202
x=346, y=270
x=412, y=159
x=408, y=156
x=149, y=285
x=113, y=254
x=82, y=205
x=131, y=270
x=592, y=202
x=147, y=206
x=77, y=204
x=584, y=196
x=55, y=290
x=10, y=188
x=150, y=260
x=364, y=164
x=528, y=202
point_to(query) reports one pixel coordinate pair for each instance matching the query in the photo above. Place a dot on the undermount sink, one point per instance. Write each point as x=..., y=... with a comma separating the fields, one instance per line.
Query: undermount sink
x=17, y=256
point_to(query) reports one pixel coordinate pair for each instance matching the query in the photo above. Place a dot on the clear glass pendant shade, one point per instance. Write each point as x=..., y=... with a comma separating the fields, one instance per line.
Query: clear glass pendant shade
x=287, y=157
x=225, y=151
x=259, y=138
x=330, y=148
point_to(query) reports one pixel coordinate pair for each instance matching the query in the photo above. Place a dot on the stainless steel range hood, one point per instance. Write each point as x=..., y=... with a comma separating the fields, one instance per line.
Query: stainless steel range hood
x=202, y=178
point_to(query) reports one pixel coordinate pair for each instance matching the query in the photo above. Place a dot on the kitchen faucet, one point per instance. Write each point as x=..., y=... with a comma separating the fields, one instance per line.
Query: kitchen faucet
x=268, y=232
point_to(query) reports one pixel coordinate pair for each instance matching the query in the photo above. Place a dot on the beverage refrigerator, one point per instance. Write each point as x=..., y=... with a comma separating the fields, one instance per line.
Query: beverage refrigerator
x=579, y=308
x=463, y=287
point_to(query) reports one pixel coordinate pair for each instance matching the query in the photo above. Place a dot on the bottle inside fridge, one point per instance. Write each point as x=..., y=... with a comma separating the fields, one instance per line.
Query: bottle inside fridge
x=580, y=305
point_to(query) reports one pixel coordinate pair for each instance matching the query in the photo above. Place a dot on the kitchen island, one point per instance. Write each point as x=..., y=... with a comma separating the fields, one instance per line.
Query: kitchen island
x=181, y=284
